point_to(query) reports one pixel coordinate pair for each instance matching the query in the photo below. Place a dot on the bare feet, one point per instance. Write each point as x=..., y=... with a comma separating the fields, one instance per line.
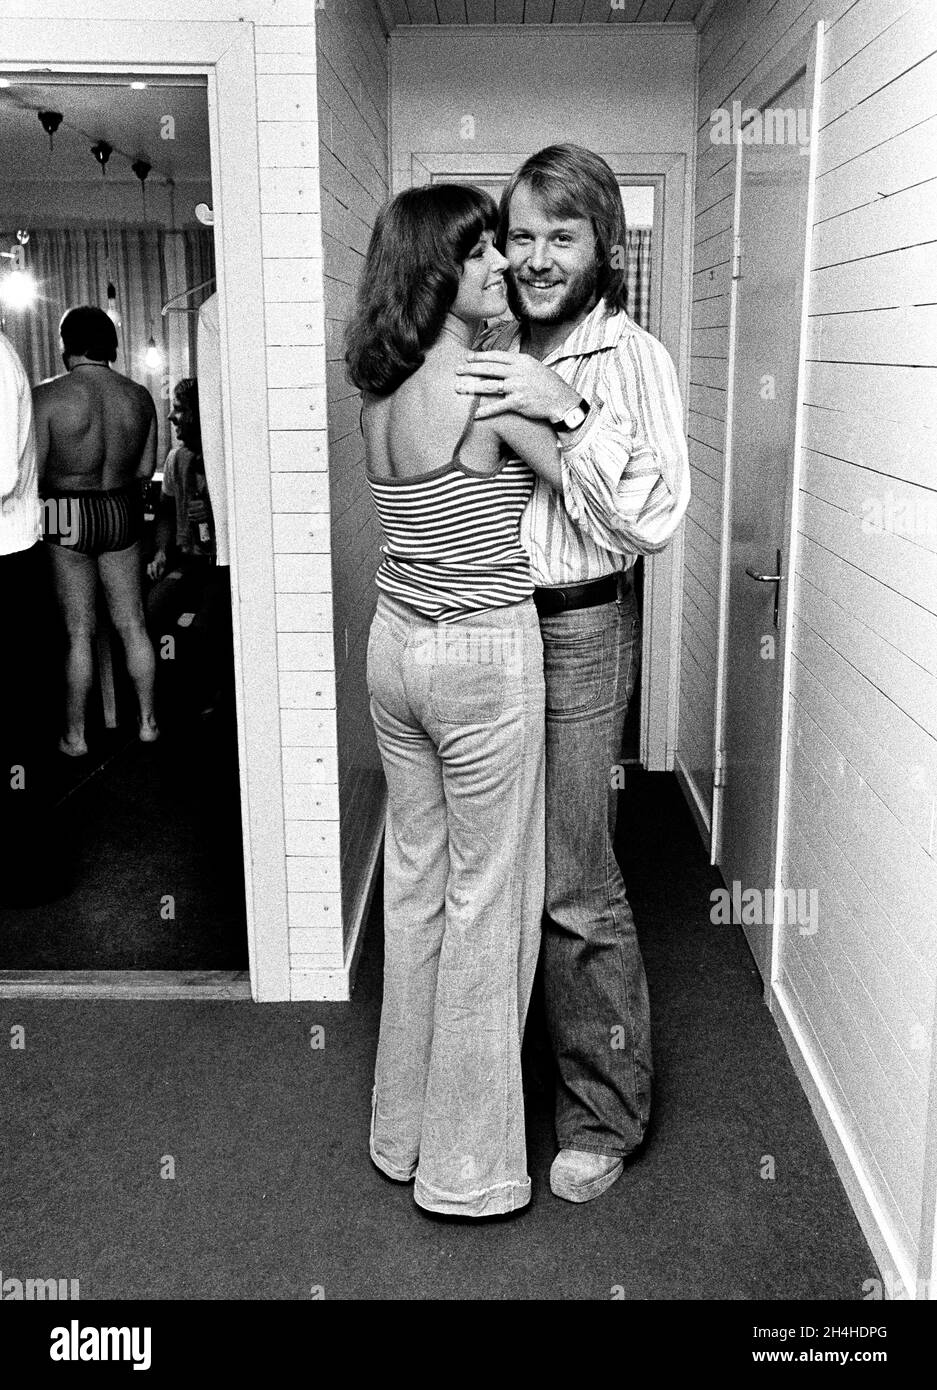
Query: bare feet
x=74, y=747
x=149, y=733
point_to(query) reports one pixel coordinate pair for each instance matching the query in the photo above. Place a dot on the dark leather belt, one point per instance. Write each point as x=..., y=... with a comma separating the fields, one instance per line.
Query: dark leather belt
x=577, y=595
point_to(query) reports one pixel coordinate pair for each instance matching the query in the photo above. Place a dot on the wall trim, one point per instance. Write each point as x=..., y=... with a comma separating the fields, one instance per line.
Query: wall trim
x=125, y=984
x=898, y=1275
x=693, y=796
x=364, y=897
x=658, y=29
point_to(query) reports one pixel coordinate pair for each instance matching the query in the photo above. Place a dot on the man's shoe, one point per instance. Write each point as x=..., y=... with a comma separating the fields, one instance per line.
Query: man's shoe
x=577, y=1176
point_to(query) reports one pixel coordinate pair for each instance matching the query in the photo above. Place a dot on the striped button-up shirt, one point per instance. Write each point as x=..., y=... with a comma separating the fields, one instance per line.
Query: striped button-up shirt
x=626, y=475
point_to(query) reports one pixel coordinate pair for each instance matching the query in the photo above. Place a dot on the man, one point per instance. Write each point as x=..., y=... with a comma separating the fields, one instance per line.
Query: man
x=24, y=683
x=576, y=358
x=95, y=446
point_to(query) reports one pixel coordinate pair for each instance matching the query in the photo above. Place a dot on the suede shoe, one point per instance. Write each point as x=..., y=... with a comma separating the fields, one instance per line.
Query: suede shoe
x=577, y=1176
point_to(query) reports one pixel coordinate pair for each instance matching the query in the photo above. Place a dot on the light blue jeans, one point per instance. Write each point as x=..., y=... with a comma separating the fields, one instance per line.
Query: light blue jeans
x=459, y=714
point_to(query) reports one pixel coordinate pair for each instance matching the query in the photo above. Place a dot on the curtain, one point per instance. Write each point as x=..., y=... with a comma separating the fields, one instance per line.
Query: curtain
x=638, y=268
x=199, y=267
x=147, y=265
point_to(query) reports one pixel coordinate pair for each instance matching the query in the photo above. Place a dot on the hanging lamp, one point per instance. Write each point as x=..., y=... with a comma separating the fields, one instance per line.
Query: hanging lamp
x=102, y=152
x=50, y=122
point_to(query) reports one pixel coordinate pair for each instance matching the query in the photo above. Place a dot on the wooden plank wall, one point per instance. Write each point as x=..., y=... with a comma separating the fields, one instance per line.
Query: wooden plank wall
x=292, y=249
x=352, y=103
x=862, y=757
x=322, y=97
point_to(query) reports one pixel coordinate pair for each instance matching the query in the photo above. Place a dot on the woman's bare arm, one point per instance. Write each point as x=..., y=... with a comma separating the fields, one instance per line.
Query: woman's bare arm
x=534, y=441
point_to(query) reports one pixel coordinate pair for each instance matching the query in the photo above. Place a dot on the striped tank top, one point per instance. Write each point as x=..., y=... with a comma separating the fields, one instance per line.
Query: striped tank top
x=453, y=537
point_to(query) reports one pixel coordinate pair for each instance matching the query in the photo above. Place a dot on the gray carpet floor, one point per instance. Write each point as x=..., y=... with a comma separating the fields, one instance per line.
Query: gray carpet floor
x=274, y=1195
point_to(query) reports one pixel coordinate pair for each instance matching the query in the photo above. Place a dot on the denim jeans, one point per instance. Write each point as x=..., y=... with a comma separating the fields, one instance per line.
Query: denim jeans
x=459, y=714
x=595, y=992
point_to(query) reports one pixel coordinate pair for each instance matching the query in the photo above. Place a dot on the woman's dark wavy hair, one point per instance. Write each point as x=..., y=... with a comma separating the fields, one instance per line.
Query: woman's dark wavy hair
x=410, y=279
x=570, y=181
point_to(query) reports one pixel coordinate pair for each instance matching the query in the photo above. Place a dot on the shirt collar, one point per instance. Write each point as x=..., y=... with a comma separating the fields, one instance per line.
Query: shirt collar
x=600, y=329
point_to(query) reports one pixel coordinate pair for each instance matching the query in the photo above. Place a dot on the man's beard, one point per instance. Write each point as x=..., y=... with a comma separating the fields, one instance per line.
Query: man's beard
x=580, y=292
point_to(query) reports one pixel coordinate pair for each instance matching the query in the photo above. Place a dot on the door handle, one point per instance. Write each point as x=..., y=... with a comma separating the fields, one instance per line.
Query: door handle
x=774, y=579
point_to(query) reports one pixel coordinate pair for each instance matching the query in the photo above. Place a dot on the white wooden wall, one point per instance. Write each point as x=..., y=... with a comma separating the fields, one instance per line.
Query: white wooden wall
x=352, y=87
x=857, y=998
x=295, y=335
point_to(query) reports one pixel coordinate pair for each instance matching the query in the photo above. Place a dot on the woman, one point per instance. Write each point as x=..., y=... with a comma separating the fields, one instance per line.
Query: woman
x=455, y=674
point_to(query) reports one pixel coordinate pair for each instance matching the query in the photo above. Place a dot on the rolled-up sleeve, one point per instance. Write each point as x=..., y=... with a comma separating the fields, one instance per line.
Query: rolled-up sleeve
x=626, y=474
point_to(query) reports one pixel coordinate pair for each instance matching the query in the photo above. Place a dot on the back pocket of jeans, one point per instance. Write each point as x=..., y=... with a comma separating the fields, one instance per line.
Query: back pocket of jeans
x=467, y=692
x=580, y=672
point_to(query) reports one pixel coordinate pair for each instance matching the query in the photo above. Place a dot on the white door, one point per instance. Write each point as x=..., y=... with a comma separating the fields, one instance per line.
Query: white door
x=773, y=213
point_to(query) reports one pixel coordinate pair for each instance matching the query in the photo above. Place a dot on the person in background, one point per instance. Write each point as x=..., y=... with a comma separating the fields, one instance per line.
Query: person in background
x=95, y=446
x=187, y=580
x=25, y=682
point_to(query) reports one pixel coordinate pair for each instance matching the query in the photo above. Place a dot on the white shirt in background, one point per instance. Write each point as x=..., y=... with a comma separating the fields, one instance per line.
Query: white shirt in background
x=20, y=516
x=209, y=406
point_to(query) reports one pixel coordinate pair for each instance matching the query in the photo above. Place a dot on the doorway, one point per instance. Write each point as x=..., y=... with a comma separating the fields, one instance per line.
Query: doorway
x=775, y=151
x=107, y=204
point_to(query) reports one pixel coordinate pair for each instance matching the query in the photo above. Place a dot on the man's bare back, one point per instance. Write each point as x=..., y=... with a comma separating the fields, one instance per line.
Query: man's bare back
x=95, y=430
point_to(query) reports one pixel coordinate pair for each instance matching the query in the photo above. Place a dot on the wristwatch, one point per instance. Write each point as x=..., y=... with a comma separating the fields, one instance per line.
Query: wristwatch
x=574, y=417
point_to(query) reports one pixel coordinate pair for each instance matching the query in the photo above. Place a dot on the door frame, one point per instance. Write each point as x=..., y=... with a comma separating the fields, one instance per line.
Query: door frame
x=663, y=572
x=224, y=53
x=805, y=57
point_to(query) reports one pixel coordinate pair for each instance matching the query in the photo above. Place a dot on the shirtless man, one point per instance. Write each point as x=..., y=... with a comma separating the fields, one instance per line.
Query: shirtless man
x=95, y=446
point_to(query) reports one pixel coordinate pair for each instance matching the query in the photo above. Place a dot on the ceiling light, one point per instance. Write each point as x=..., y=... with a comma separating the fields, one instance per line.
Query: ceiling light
x=113, y=312
x=4, y=82
x=19, y=290
x=153, y=357
x=138, y=86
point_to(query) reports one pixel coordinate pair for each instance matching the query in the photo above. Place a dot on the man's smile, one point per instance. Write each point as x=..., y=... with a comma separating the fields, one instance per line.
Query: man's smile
x=538, y=288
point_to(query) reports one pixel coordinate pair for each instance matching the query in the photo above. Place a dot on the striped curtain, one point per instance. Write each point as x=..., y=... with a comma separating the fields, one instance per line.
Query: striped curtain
x=638, y=267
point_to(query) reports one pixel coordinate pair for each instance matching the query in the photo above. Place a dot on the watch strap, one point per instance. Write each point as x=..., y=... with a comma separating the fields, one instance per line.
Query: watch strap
x=574, y=417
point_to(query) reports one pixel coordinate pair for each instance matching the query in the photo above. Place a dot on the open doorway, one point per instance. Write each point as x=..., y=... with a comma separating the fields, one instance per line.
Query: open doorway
x=106, y=191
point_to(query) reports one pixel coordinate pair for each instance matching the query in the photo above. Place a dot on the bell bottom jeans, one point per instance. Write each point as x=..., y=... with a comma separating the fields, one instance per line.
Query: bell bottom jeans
x=595, y=991
x=459, y=713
